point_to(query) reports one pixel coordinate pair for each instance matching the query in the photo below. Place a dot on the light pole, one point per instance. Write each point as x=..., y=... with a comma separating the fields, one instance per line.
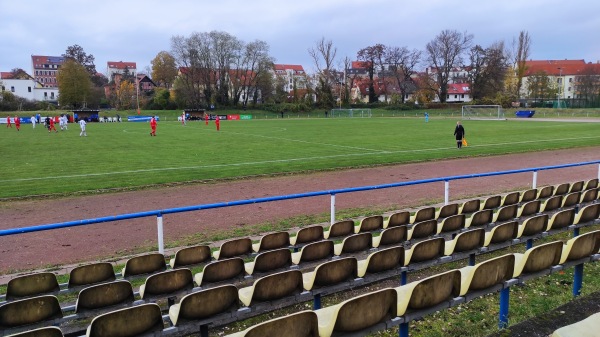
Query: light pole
x=559, y=81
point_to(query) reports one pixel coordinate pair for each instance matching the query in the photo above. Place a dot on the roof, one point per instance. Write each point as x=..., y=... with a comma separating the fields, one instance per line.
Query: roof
x=294, y=67
x=360, y=64
x=458, y=88
x=6, y=75
x=42, y=59
x=558, y=67
x=122, y=65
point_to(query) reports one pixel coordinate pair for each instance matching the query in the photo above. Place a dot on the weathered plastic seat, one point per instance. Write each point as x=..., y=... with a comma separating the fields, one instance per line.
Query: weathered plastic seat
x=167, y=282
x=272, y=287
x=446, y=211
x=137, y=320
x=529, y=195
x=397, y=219
x=354, y=243
x=49, y=331
x=487, y=274
x=592, y=183
x=91, y=274
x=480, y=218
x=340, y=228
x=538, y=258
x=470, y=206
x=552, y=203
x=587, y=214
x=301, y=324
x=219, y=271
x=506, y=213
x=307, y=234
x=423, y=214
x=424, y=251
x=330, y=273
x=533, y=225
x=492, y=202
x=422, y=229
x=587, y=327
x=564, y=218
x=204, y=304
x=32, y=285
x=465, y=241
x=369, y=224
x=381, y=260
x=571, y=199
x=391, y=236
x=272, y=241
x=576, y=186
x=452, y=223
x=545, y=192
x=357, y=313
x=190, y=256
x=511, y=199
x=529, y=208
x=589, y=195
x=314, y=251
x=233, y=248
x=145, y=264
x=502, y=233
x=104, y=295
x=428, y=292
x=581, y=246
x=29, y=311
x=269, y=261
x=562, y=189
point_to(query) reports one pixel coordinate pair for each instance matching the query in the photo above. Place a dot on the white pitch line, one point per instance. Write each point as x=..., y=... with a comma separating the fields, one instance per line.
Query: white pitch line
x=281, y=160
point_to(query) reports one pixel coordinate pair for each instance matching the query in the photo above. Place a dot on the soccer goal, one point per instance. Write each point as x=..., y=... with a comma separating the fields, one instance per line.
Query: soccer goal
x=350, y=113
x=493, y=112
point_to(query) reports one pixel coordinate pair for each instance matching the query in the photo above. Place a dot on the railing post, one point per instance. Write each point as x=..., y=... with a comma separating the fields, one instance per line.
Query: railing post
x=159, y=225
x=332, y=220
x=598, y=171
x=317, y=301
x=504, y=303
x=529, y=244
x=403, y=330
x=471, y=260
x=446, y=192
x=403, y=277
x=577, y=279
x=534, y=183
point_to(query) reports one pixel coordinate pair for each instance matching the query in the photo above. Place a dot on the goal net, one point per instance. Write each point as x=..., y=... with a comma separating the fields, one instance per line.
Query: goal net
x=493, y=112
x=350, y=113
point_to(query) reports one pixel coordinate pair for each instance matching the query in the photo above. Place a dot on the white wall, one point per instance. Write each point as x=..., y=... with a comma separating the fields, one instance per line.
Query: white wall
x=29, y=89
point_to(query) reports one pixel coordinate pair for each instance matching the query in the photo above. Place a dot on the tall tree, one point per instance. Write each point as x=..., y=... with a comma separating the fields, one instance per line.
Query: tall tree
x=488, y=69
x=164, y=69
x=373, y=57
x=445, y=52
x=323, y=55
x=77, y=54
x=251, y=63
x=540, y=87
x=403, y=63
x=521, y=56
x=125, y=95
x=74, y=84
x=587, y=84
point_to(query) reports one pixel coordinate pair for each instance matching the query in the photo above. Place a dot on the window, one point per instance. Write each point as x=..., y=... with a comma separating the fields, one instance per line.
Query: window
x=45, y=95
x=569, y=89
x=29, y=89
x=12, y=89
x=3, y=88
x=462, y=96
x=455, y=96
x=570, y=80
x=52, y=95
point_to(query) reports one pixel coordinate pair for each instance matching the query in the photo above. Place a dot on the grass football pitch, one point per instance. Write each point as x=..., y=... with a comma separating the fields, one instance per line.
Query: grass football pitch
x=124, y=155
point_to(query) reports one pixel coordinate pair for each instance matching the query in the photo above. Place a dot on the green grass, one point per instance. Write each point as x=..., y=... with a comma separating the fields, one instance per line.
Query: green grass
x=124, y=156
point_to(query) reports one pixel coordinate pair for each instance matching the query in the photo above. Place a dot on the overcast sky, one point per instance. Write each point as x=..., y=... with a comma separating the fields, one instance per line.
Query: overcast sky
x=136, y=30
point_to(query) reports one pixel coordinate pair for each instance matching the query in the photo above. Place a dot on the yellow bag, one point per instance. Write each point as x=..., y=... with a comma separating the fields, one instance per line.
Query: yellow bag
x=465, y=142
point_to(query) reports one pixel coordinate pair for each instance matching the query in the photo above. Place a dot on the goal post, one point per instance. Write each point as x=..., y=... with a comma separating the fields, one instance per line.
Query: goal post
x=491, y=112
x=360, y=113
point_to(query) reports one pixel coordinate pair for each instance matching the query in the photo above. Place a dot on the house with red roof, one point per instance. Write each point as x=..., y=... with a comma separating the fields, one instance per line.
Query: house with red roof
x=24, y=85
x=45, y=69
x=291, y=76
x=120, y=68
x=563, y=73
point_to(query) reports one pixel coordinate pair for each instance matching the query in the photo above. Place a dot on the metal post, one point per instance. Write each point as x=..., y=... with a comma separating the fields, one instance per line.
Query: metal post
x=403, y=330
x=504, y=303
x=317, y=302
x=598, y=171
x=534, y=183
x=471, y=259
x=577, y=279
x=529, y=244
x=332, y=220
x=446, y=192
x=575, y=232
x=204, y=330
x=403, y=278
x=159, y=225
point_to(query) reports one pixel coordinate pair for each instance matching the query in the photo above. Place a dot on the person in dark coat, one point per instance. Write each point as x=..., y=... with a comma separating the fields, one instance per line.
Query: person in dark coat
x=459, y=133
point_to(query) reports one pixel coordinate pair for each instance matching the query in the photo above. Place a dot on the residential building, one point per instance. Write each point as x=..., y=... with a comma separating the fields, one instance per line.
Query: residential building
x=45, y=69
x=24, y=85
x=563, y=74
x=145, y=83
x=293, y=76
x=457, y=93
x=120, y=68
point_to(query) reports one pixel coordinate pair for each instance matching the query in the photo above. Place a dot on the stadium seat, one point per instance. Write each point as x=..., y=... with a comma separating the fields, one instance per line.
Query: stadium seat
x=269, y=261
x=562, y=189
x=534, y=225
x=446, y=211
x=592, y=183
x=422, y=229
x=330, y=273
x=545, y=192
x=571, y=199
x=486, y=274
x=470, y=206
x=505, y=213
x=465, y=241
x=551, y=204
x=31, y=285
x=511, y=199
x=480, y=218
x=423, y=214
x=28, y=311
x=340, y=228
x=104, y=295
x=538, y=258
x=428, y=292
x=145, y=264
x=167, y=282
x=587, y=214
x=391, y=236
x=232, y=248
x=190, y=256
x=561, y=219
x=357, y=313
x=49, y=331
x=424, y=251
x=354, y=243
x=529, y=195
x=452, y=223
x=369, y=224
x=492, y=202
x=134, y=321
x=576, y=186
x=381, y=260
x=587, y=327
x=272, y=287
x=581, y=246
x=307, y=234
x=502, y=233
x=529, y=208
x=204, y=304
x=219, y=271
x=272, y=241
x=91, y=274
x=589, y=195
x=314, y=251
x=300, y=324
x=397, y=219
